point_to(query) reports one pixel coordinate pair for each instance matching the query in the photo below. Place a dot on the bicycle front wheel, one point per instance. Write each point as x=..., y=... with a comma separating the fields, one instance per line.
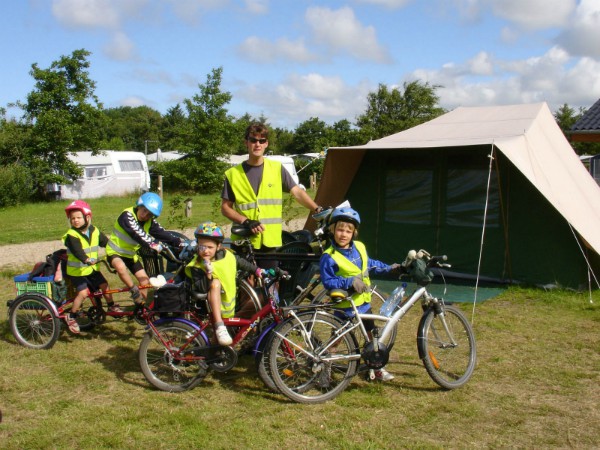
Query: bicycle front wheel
x=448, y=352
x=307, y=363
x=161, y=368
x=33, y=322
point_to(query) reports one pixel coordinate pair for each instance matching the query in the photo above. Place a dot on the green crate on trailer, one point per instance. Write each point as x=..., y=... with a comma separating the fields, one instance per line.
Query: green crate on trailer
x=41, y=285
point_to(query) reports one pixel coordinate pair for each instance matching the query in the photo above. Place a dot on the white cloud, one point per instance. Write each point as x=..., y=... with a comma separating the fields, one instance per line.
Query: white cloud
x=260, y=50
x=120, y=47
x=300, y=97
x=257, y=6
x=535, y=14
x=391, y=4
x=582, y=37
x=340, y=31
x=92, y=13
x=548, y=78
x=525, y=14
x=134, y=101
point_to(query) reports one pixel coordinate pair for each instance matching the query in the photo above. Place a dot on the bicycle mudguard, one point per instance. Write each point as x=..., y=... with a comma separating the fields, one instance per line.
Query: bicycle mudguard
x=46, y=299
x=421, y=332
x=194, y=325
x=262, y=340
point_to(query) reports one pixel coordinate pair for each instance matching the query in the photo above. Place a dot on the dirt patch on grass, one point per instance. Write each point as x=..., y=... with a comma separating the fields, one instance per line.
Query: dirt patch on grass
x=18, y=256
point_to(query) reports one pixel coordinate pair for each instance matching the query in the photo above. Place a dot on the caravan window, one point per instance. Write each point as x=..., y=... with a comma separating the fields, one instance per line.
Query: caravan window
x=95, y=171
x=131, y=166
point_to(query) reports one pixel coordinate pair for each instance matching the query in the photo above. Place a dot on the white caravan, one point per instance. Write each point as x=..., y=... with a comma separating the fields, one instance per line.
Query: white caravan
x=108, y=173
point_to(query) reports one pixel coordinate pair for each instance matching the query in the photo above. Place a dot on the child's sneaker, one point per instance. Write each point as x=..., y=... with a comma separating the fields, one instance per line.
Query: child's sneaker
x=383, y=375
x=223, y=335
x=72, y=324
x=114, y=308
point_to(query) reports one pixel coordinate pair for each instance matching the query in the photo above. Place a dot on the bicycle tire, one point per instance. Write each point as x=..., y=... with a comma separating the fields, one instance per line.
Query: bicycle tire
x=263, y=366
x=157, y=365
x=247, y=303
x=377, y=299
x=447, y=364
x=298, y=374
x=33, y=322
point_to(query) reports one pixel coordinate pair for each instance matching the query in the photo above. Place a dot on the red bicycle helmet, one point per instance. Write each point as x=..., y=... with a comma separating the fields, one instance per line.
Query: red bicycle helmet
x=79, y=205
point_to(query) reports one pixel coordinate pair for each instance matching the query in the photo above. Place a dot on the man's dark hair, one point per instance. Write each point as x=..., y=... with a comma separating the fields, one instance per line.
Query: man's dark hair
x=257, y=128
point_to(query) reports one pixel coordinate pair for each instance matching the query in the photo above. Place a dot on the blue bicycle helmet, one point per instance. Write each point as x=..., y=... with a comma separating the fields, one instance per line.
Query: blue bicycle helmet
x=152, y=202
x=345, y=215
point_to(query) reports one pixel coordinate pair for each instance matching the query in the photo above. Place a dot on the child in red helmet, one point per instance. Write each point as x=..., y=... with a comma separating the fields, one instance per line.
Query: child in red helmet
x=213, y=270
x=83, y=241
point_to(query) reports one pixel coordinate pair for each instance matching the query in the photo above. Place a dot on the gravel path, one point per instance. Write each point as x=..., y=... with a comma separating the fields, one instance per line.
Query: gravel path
x=18, y=256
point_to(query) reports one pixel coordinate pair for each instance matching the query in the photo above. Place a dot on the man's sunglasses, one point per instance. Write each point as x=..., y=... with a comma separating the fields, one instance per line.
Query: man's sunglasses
x=255, y=140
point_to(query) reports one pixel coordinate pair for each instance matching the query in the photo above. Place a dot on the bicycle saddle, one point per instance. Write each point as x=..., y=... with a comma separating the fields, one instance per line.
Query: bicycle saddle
x=241, y=230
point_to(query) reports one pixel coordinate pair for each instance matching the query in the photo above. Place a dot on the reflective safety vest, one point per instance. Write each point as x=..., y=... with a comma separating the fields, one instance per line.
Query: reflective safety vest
x=266, y=206
x=121, y=243
x=76, y=267
x=349, y=269
x=225, y=270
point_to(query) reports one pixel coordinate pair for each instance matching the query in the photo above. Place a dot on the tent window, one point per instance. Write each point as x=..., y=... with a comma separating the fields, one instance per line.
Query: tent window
x=408, y=196
x=465, y=198
x=131, y=166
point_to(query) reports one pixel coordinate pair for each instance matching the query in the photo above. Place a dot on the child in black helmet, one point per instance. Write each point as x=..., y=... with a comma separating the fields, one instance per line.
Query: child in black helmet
x=346, y=265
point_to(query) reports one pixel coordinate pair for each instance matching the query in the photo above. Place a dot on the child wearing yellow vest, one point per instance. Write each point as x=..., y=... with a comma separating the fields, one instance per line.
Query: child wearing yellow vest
x=346, y=265
x=83, y=241
x=213, y=270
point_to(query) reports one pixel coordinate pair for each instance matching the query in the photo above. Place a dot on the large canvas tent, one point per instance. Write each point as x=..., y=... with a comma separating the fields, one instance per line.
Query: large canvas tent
x=434, y=185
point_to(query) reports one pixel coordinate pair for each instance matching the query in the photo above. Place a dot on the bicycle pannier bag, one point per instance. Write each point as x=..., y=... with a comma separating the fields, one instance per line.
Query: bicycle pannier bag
x=172, y=297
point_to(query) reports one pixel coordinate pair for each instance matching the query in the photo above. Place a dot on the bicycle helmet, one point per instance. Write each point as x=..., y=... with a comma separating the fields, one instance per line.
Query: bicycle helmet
x=209, y=230
x=152, y=202
x=345, y=215
x=79, y=205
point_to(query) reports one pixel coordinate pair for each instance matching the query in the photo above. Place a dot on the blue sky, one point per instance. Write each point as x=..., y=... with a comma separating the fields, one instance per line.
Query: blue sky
x=291, y=60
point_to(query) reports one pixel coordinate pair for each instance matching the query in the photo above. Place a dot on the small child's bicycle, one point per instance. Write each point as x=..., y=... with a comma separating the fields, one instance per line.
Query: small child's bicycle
x=313, y=355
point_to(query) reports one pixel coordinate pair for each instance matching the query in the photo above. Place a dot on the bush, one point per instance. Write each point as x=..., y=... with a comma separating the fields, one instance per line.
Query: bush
x=16, y=185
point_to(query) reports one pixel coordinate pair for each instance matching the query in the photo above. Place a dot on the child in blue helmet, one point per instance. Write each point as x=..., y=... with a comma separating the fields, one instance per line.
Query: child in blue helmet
x=213, y=270
x=346, y=265
x=136, y=227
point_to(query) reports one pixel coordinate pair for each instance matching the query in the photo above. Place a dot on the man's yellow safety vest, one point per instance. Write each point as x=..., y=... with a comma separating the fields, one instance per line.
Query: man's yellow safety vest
x=266, y=206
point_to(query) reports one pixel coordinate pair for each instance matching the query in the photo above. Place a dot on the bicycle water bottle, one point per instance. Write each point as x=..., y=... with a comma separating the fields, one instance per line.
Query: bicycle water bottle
x=392, y=302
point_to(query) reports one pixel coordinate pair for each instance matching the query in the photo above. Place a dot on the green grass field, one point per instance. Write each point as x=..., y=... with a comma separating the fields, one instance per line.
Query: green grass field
x=536, y=384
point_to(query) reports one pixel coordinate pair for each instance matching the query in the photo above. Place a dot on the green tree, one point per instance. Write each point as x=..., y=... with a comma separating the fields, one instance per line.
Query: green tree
x=133, y=126
x=173, y=129
x=566, y=117
x=391, y=111
x=312, y=135
x=65, y=116
x=208, y=137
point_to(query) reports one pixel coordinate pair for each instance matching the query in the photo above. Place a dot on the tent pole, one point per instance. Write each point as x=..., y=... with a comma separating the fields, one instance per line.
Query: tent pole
x=485, y=210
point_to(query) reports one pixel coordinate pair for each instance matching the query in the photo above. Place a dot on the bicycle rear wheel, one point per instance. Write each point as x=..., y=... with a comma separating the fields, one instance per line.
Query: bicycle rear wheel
x=449, y=356
x=161, y=369
x=33, y=322
x=296, y=358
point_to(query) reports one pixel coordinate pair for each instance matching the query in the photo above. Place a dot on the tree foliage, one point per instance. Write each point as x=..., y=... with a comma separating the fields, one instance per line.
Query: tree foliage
x=134, y=127
x=65, y=116
x=392, y=111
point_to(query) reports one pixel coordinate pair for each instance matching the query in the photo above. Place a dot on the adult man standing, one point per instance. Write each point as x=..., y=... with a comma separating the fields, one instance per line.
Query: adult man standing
x=253, y=192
